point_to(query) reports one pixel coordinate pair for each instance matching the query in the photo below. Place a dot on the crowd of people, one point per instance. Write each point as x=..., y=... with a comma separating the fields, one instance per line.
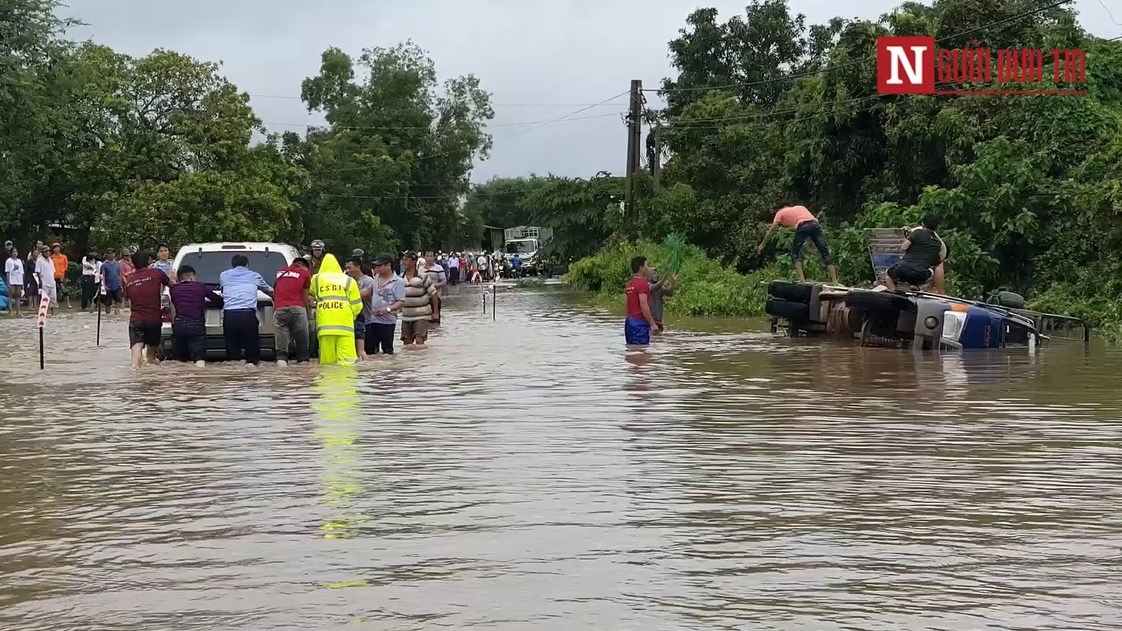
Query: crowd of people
x=340, y=314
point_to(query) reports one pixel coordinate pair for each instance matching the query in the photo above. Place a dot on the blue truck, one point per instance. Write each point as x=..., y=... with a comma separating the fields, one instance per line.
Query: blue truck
x=911, y=318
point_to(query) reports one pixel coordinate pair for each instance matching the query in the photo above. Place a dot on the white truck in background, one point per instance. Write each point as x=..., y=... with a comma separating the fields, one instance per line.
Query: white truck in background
x=526, y=242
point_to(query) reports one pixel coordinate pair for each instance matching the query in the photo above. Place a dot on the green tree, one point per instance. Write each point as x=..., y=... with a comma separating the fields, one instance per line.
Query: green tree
x=392, y=164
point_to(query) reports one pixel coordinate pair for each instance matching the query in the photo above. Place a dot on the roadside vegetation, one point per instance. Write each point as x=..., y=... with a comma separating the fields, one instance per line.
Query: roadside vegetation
x=1027, y=187
x=128, y=150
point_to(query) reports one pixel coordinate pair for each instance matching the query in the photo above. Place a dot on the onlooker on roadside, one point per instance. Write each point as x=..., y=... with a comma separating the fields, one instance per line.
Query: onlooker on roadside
x=8, y=245
x=188, y=327
x=91, y=269
x=31, y=285
x=240, y=326
x=436, y=275
x=415, y=319
x=292, y=310
x=13, y=275
x=112, y=290
x=61, y=263
x=484, y=267
x=45, y=276
x=145, y=291
x=127, y=270
x=388, y=301
x=366, y=293
x=454, y=269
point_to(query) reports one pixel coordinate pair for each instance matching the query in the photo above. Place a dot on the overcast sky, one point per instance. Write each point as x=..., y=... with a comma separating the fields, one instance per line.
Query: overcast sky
x=540, y=60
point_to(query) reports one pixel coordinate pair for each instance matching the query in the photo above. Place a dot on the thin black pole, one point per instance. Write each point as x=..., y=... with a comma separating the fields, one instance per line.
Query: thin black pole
x=494, y=301
x=98, y=305
x=484, y=302
x=42, y=357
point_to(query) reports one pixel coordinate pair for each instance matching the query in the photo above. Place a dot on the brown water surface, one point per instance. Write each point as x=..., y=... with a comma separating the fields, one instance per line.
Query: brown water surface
x=527, y=473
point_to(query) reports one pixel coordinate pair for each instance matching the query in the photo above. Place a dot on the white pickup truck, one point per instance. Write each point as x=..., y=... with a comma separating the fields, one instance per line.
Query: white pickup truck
x=211, y=259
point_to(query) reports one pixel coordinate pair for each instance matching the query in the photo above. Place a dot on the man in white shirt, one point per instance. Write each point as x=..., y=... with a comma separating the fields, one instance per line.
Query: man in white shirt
x=482, y=263
x=45, y=276
x=454, y=269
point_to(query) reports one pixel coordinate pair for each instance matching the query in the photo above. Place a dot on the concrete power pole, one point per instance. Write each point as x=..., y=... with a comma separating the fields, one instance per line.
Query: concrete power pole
x=634, y=140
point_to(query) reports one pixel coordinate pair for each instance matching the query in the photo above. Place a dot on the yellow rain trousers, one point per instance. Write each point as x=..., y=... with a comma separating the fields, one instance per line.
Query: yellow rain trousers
x=338, y=303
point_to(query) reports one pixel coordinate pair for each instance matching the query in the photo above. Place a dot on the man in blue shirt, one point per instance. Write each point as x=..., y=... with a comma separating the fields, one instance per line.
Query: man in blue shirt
x=240, y=326
x=113, y=293
x=516, y=266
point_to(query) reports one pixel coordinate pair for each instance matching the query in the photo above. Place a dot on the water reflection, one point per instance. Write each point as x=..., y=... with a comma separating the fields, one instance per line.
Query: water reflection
x=338, y=417
x=529, y=472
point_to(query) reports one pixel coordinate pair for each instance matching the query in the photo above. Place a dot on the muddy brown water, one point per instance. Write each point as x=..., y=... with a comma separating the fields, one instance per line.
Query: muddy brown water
x=527, y=473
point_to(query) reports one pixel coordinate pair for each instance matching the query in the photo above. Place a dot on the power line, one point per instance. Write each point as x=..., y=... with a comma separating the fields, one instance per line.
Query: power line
x=558, y=119
x=328, y=126
x=299, y=98
x=816, y=72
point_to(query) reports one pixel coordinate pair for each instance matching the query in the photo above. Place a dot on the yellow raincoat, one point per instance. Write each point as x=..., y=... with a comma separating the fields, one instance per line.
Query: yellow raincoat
x=338, y=303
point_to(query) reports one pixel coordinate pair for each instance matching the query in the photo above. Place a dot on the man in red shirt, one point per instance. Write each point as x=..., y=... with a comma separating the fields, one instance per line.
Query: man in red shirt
x=290, y=310
x=144, y=290
x=637, y=328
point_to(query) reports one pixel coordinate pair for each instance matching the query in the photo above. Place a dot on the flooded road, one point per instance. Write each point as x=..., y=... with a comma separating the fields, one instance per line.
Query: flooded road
x=525, y=473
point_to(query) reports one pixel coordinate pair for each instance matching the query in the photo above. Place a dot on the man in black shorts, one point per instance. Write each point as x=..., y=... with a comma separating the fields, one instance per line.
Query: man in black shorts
x=922, y=252
x=145, y=293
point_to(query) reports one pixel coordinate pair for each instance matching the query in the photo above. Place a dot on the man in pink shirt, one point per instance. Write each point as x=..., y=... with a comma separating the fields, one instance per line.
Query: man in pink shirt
x=806, y=229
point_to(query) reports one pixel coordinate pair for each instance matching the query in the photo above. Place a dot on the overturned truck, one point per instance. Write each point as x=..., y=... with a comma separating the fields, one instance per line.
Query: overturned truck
x=913, y=318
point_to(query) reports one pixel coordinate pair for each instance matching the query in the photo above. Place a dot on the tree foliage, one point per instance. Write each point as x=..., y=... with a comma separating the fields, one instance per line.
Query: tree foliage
x=766, y=110
x=122, y=150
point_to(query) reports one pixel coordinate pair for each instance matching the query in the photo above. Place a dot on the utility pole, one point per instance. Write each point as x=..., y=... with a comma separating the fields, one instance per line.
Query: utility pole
x=657, y=157
x=634, y=139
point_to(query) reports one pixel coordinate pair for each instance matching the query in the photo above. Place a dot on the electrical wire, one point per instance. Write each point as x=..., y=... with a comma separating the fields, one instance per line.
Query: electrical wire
x=855, y=62
x=330, y=127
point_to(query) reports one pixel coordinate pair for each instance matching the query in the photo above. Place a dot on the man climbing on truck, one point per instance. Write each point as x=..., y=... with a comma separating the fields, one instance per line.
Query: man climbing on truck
x=806, y=228
x=923, y=250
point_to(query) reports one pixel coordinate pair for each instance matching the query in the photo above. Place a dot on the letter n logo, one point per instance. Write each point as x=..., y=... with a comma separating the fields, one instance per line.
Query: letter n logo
x=906, y=65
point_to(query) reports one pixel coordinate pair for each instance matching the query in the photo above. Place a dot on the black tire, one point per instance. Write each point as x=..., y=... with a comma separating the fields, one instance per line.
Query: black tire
x=1009, y=300
x=796, y=311
x=878, y=302
x=789, y=291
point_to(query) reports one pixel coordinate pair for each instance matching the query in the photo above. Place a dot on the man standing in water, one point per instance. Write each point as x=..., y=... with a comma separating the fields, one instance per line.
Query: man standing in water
x=144, y=290
x=291, y=306
x=240, y=326
x=188, y=329
x=113, y=294
x=366, y=292
x=806, y=228
x=389, y=300
x=163, y=260
x=338, y=303
x=637, y=328
x=660, y=289
x=417, y=315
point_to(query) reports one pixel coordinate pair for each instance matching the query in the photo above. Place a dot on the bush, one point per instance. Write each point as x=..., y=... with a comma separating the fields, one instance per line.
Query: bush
x=705, y=287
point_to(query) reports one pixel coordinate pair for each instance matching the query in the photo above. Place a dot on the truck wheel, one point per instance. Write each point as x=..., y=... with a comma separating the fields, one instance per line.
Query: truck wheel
x=790, y=291
x=795, y=311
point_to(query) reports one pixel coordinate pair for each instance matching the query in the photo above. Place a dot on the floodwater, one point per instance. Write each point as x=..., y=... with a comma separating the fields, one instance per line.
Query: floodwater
x=527, y=473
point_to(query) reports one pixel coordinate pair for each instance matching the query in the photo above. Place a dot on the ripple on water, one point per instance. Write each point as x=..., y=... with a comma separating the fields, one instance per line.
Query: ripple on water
x=528, y=472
